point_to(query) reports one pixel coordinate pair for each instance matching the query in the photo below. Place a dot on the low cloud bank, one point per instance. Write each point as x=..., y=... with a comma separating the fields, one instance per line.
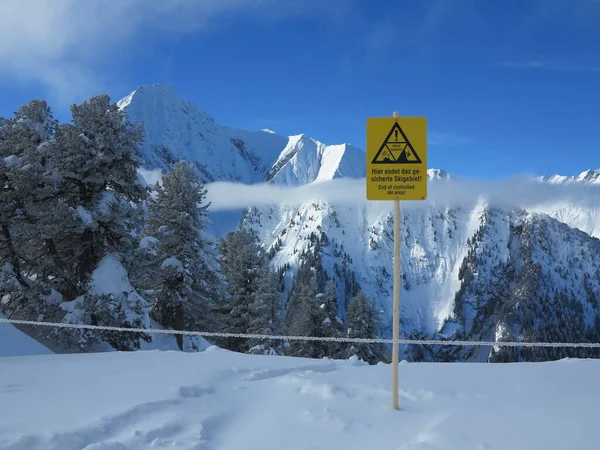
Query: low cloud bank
x=517, y=192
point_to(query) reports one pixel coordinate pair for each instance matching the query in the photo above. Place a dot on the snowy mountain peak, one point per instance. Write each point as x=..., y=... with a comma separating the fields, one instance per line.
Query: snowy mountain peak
x=438, y=174
x=305, y=160
x=164, y=91
x=588, y=176
x=176, y=129
x=162, y=102
x=553, y=179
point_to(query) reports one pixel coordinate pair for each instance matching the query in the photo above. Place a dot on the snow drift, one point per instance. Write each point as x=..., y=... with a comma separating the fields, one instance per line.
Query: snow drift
x=222, y=400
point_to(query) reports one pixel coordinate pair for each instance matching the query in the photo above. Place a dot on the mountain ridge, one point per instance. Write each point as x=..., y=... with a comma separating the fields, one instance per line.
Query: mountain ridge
x=587, y=176
x=251, y=145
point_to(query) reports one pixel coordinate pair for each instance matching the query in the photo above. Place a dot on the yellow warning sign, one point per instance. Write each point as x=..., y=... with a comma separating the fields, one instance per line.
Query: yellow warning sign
x=397, y=158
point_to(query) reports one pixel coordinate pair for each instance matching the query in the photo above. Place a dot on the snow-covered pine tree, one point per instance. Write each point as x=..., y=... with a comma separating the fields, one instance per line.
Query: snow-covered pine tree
x=45, y=215
x=265, y=311
x=310, y=268
x=253, y=302
x=241, y=265
x=332, y=324
x=364, y=323
x=94, y=160
x=312, y=310
x=26, y=188
x=185, y=292
x=315, y=314
x=96, y=157
x=305, y=318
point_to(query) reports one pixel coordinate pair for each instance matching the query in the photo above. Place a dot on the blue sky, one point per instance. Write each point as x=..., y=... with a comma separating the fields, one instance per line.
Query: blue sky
x=508, y=87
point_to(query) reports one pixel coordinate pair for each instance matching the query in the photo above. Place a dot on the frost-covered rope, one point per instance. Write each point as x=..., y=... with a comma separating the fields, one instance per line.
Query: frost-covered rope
x=305, y=338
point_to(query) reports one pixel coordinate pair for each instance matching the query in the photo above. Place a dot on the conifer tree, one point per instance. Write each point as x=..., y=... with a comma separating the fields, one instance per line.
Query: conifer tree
x=252, y=303
x=312, y=310
x=73, y=190
x=306, y=319
x=99, y=191
x=26, y=185
x=265, y=310
x=331, y=323
x=96, y=218
x=186, y=287
x=96, y=160
x=310, y=271
x=240, y=264
x=364, y=323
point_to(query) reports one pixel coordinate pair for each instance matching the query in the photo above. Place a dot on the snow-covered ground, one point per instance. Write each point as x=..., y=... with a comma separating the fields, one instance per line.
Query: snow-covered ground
x=16, y=343
x=221, y=400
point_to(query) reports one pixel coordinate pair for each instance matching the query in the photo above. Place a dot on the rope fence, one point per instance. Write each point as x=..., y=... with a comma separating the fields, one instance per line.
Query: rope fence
x=306, y=338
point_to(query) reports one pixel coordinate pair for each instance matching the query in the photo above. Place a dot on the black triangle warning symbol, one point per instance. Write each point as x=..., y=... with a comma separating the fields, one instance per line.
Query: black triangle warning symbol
x=396, y=149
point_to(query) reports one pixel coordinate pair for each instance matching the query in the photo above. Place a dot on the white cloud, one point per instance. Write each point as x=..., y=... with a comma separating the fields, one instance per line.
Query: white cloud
x=59, y=43
x=228, y=195
x=519, y=192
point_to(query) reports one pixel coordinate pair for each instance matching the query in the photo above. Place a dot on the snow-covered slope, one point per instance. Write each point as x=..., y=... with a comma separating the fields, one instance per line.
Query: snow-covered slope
x=16, y=343
x=359, y=239
x=355, y=244
x=585, y=218
x=222, y=400
x=527, y=277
